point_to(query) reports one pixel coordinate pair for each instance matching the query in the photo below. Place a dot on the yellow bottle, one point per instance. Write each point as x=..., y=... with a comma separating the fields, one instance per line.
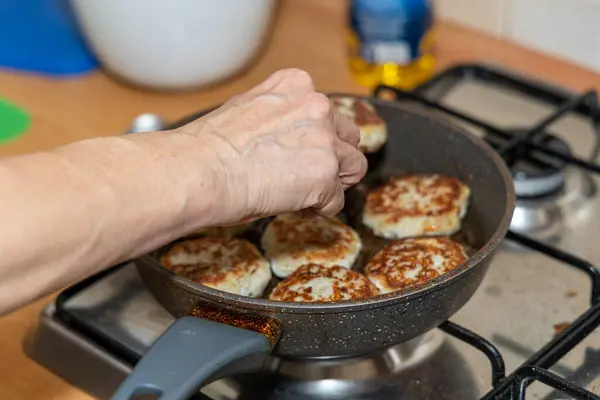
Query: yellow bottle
x=390, y=42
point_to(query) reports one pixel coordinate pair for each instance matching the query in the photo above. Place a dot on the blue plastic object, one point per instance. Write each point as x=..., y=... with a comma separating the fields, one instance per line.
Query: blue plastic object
x=193, y=351
x=391, y=30
x=42, y=36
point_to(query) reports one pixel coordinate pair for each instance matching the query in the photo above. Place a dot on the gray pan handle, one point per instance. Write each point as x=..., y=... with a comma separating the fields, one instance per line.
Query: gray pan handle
x=193, y=352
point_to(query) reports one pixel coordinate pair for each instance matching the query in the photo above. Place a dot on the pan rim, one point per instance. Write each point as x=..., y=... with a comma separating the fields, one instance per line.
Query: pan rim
x=274, y=307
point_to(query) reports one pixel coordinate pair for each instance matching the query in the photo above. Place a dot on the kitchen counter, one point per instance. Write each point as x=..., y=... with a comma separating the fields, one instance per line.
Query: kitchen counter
x=307, y=35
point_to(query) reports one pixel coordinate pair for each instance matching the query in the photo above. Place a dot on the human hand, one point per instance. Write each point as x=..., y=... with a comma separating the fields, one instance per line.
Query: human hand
x=278, y=148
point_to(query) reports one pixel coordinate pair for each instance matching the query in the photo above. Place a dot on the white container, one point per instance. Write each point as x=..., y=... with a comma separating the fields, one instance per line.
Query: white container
x=174, y=44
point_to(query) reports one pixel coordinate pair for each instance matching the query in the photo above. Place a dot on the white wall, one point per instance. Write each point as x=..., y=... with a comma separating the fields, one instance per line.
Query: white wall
x=569, y=29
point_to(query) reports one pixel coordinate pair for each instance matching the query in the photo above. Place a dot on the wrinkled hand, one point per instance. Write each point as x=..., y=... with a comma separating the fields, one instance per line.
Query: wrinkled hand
x=280, y=148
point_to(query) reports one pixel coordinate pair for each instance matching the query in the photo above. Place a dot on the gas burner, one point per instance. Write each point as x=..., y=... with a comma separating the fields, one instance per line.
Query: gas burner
x=362, y=368
x=543, y=217
x=547, y=188
x=420, y=368
x=544, y=221
x=538, y=175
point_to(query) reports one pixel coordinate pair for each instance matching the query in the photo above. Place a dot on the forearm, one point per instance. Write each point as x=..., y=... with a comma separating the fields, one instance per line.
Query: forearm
x=72, y=211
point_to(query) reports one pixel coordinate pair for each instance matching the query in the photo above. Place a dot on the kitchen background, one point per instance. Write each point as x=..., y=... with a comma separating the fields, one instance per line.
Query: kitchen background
x=557, y=42
x=566, y=29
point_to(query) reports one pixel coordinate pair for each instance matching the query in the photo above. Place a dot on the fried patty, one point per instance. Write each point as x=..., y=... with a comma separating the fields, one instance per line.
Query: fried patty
x=416, y=205
x=290, y=241
x=221, y=231
x=373, y=130
x=232, y=265
x=318, y=283
x=409, y=262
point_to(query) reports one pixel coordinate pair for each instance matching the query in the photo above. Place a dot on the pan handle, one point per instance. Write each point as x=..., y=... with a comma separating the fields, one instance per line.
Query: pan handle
x=191, y=353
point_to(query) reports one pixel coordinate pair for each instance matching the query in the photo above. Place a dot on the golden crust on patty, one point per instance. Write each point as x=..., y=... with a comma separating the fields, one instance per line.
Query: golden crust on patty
x=221, y=231
x=232, y=265
x=373, y=130
x=317, y=283
x=409, y=262
x=290, y=241
x=416, y=205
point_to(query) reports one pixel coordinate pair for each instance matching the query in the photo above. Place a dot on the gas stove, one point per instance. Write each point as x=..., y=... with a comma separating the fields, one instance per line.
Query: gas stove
x=530, y=332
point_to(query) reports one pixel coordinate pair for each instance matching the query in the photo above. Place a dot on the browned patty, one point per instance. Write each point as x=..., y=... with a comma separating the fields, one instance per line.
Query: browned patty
x=221, y=231
x=228, y=264
x=290, y=241
x=363, y=112
x=373, y=130
x=409, y=262
x=318, y=283
x=416, y=205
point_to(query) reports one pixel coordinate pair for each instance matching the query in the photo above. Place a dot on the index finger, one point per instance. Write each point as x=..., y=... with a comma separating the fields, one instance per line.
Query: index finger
x=346, y=129
x=353, y=164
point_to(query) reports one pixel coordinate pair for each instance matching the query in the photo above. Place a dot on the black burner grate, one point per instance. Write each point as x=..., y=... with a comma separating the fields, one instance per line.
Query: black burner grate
x=512, y=147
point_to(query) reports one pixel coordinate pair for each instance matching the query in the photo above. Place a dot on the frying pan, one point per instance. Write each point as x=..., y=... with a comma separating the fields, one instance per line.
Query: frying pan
x=219, y=334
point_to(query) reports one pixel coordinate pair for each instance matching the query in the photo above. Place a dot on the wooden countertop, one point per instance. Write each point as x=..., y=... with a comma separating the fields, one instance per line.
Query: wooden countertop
x=308, y=34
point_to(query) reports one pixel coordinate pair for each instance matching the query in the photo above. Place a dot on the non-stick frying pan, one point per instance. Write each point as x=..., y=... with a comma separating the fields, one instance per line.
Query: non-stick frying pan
x=230, y=334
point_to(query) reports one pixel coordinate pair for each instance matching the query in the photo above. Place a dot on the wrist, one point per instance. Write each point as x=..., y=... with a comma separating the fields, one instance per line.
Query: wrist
x=183, y=166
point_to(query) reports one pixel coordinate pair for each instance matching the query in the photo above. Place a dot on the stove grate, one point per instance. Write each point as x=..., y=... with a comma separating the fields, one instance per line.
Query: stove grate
x=514, y=146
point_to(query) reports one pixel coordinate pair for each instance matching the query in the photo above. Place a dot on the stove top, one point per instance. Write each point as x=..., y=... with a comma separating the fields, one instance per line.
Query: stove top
x=530, y=332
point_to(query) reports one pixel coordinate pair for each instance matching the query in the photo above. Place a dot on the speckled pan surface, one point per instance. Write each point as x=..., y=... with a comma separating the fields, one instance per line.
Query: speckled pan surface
x=418, y=142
